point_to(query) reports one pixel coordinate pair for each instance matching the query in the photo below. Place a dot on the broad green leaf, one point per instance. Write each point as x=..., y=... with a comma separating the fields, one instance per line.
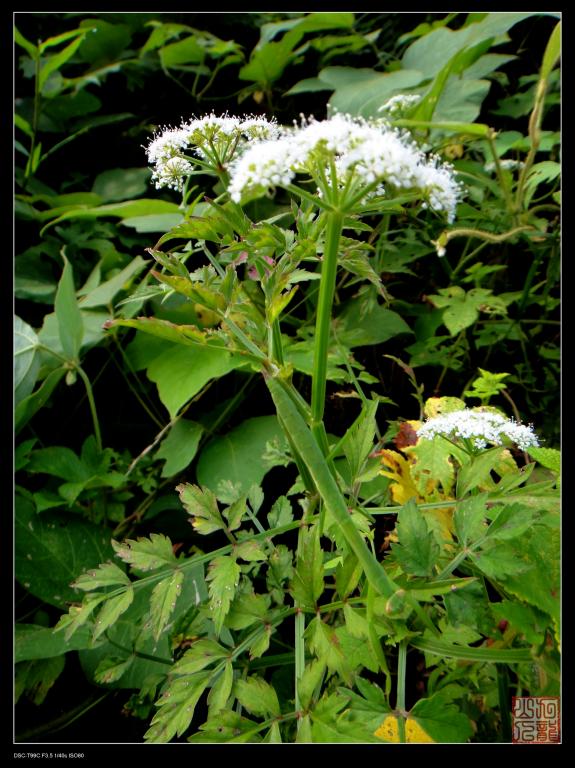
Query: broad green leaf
x=223, y=577
x=357, y=651
x=35, y=642
x=26, y=359
x=122, y=210
x=30, y=405
x=153, y=222
x=146, y=554
x=550, y=458
x=257, y=696
x=37, y=677
x=69, y=318
x=105, y=293
x=93, y=332
x=307, y=582
x=187, y=51
x=417, y=550
x=526, y=619
x=121, y=184
x=469, y=519
x=363, y=91
x=240, y=458
x=430, y=52
x=106, y=575
x=221, y=690
x=202, y=504
x=181, y=372
x=163, y=602
x=58, y=461
x=356, y=329
x=440, y=720
x=180, y=446
x=111, y=609
x=53, y=549
x=30, y=49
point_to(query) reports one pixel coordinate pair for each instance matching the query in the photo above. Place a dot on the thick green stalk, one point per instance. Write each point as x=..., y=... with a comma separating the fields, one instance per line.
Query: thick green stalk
x=323, y=325
x=309, y=451
x=299, y=656
x=400, y=701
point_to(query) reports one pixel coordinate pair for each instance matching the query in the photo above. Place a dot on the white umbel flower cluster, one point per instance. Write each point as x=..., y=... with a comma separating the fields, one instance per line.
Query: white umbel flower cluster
x=212, y=139
x=363, y=153
x=481, y=427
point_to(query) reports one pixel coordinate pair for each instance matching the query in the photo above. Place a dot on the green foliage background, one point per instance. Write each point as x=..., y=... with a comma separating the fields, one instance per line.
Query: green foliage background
x=116, y=425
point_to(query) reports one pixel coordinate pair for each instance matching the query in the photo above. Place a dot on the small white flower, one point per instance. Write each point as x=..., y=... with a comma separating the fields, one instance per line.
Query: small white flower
x=172, y=172
x=400, y=103
x=481, y=427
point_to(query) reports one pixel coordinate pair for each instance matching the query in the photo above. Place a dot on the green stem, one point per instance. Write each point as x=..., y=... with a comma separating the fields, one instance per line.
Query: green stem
x=400, y=701
x=504, y=701
x=276, y=345
x=323, y=324
x=92, y=403
x=299, y=645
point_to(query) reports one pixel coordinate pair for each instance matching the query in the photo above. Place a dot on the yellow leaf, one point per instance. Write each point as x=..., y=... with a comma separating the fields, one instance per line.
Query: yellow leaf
x=414, y=733
x=403, y=488
x=388, y=730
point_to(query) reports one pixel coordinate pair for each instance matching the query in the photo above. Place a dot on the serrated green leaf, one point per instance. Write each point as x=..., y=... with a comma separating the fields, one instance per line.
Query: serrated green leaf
x=477, y=472
x=310, y=680
x=250, y=551
x=110, y=670
x=511, y=521
x=223, y=576
x=257, y=696
x=202, y=653
x=202, y=504
x=417, y=550
x=78, y=615
x=68, y=315
x=176, y=708
x=235, y=513
x=324, y=642
x=356, y=623
x=434, y=461
x=281, y=512
x=146, y=554
x=260, y=645
x=221, y=690
x=247, y=608
x=358, y=440
x=469, y=519
x=307, y=582
x=163, y=601
x=111, y=610
x=500, y=562
x=106, y=575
